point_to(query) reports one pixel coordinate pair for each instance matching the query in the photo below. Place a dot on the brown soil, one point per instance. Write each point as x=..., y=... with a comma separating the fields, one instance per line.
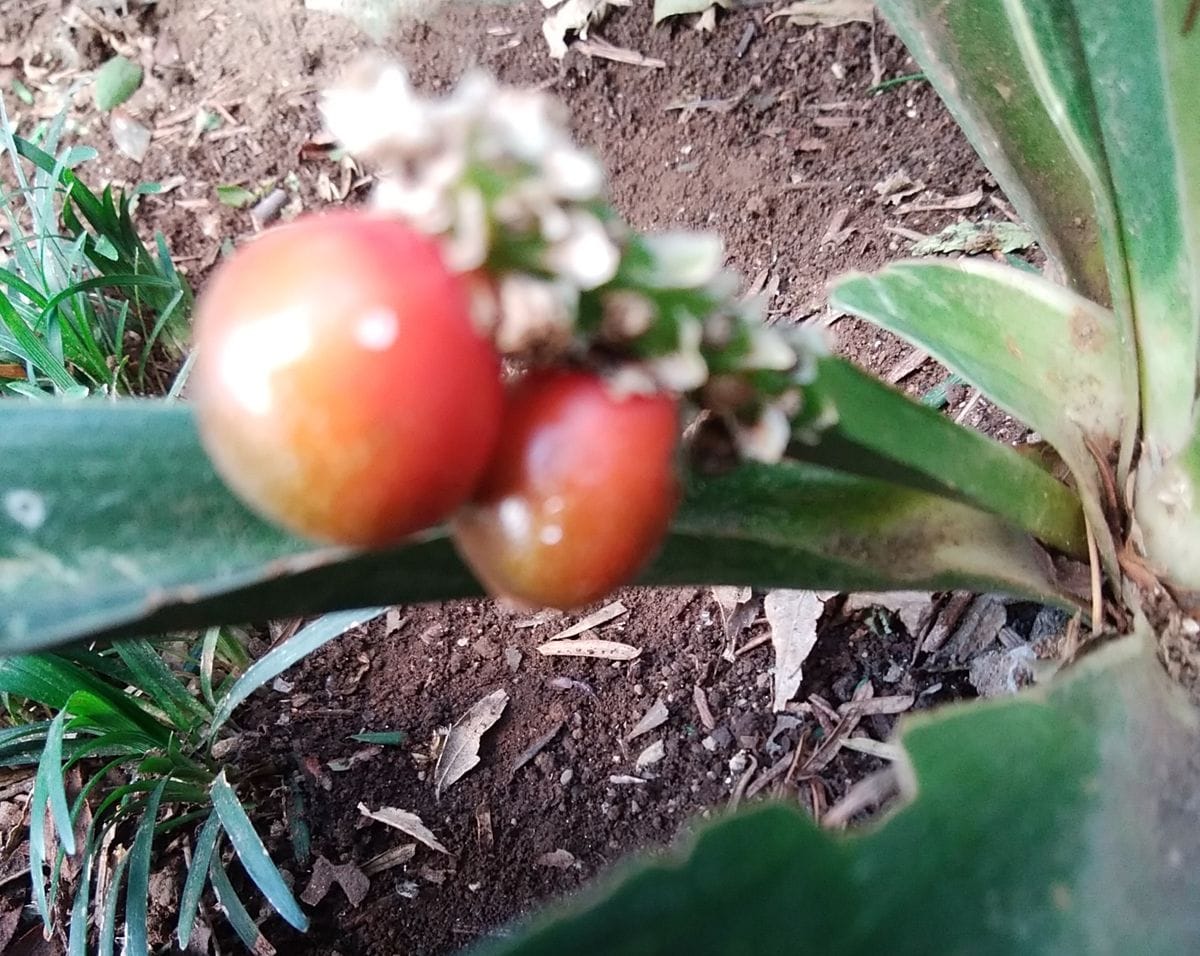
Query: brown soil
x=781, y=157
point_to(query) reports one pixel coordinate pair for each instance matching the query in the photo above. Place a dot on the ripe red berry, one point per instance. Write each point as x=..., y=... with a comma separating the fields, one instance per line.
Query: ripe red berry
x=579, y=494
x=341, y=388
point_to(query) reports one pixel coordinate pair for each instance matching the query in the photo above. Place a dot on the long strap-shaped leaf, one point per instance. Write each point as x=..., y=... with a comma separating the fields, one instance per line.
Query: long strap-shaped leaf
x=1143, y=62
x=114, y=522
x=1038, y=350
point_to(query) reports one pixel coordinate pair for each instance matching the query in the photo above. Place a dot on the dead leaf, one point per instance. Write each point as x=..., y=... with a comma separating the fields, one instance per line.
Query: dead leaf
x=965, y=201
x=793, y=617
x=896, y=187
x=350, y=878
x=655, y=717
x=384, y=861
x=606, y=650
x=976, y=238
x=825, y=13
x=559, y=859
x=913, y=608
x=460, y=752
x=534, y=749
x=593, y=620
x=707, y=721
x=651, y=755
x=573, y=18
x=738, y=608
x=604, y=50
x=483, y=827
x=405, y=822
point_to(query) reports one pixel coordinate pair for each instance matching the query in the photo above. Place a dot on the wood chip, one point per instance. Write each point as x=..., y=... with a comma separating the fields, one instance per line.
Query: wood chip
x=654, y=718
x=388, y=859
x=793, y=617
x=873, y=748
x=534, y=749
x=405, y=822
x=589, y=647
x=593, y=620
x=460, y=752
x=483, y=827
x=700, y=699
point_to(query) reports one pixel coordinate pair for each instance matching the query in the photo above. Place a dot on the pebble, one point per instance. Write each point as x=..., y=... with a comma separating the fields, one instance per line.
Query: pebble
x=566, y=776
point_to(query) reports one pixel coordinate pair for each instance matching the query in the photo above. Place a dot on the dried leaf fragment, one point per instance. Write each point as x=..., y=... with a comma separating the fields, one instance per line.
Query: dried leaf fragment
x=651, y=755
x=825, y=13
x=593, y=620
x=793, y=617
x=405, y=822
x=654, y=718
x=460, y=751
x=384, y=861
x=606, y=650
x=350, y=878
x=559, y=859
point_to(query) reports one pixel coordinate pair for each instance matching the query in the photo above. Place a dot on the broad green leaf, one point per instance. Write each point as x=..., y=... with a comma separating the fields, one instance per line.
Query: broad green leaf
x=881, y=433
x=254, y=856
x=1143, y=63
x=969, y=52
x=107, y=930
x=124, y=528
x=1038, y=350
x=1059, y=824
x=116, y=81
x=47, y=781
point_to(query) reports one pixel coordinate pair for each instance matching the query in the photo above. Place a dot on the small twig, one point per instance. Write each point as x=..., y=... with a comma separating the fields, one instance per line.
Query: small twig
x=740, y=790
x=969, y=407
x=869, y=792
x=1094, y=568
x=753, y=643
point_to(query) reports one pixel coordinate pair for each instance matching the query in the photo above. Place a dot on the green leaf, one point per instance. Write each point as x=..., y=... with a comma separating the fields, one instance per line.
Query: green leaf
x=197, y=878
x=676, y=8
x=1143, y=65
x=1058, y=824
x=137, y=891
x=116, y=81
x=1168, y=516
x=108, y=926
x=162, y=687
x=236, y=196
x=47, y=791
x=235, y=911
x=250, y=850
x=881, y=433
x=165, y=547
x=386, y=738
x=1039, y=351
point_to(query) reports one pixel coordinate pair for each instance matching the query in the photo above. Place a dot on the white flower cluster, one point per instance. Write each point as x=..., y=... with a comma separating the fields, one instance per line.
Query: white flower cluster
x=483, y=160
x=494, y=174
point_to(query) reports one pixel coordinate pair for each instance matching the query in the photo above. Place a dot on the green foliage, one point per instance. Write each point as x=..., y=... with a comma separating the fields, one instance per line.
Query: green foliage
x=168, y=547
x=80, y=285
x=1033, y=826
x=144, y=732
x=116, y=81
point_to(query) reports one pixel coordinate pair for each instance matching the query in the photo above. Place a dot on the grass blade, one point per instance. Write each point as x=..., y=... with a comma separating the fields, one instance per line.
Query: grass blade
x=250, y=850
x=108, y=927
x=317, y=634
x=137, y=894
x=235, y=911
x=193, y=886
x=48, y=790
x=161, y=685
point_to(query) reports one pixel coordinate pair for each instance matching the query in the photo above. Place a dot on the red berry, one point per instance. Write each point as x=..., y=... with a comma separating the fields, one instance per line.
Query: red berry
x=341, y=388
x=579, y=494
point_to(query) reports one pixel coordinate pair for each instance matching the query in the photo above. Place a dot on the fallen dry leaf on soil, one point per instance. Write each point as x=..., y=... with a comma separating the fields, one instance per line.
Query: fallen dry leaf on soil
x=595, y=619
x=606, y=650
x=651, y=755
x=384, y=861
x=914, y=608
x=460, y=752
x=793, y=617
x=655, y=717
x=405, y=822
x=700, y=699
x=350, y=878
x=534, y=749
